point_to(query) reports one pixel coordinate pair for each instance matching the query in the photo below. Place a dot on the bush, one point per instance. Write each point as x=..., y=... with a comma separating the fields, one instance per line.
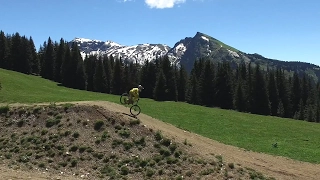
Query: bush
x=124, y=170
x=76, y=135
x=20, y=123
x=158, y=136
x=124, y=133
x=149, y=172
x=74, y=148
x=4, y=109
x=74, y=162
x=134, y=122
x=52, y=122
x=98, y=125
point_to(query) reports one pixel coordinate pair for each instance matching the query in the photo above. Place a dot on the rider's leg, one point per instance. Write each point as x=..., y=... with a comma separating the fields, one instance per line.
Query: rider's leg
x=130, y=98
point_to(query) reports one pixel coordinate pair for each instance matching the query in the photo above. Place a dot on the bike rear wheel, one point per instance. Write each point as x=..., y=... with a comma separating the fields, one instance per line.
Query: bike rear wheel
x=124, y=98
x=135, y=110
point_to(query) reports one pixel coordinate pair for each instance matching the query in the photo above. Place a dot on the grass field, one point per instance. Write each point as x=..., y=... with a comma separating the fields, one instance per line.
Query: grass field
x=295, y=139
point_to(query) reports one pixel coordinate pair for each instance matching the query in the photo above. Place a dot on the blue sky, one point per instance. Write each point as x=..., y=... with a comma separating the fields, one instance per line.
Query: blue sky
x=286, y=30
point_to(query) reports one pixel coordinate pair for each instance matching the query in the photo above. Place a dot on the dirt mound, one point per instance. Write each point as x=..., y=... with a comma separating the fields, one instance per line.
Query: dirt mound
x=92, y=140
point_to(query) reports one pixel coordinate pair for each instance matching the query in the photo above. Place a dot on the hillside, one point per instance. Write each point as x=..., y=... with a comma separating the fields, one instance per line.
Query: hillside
x=89, y=142
x=254, y=134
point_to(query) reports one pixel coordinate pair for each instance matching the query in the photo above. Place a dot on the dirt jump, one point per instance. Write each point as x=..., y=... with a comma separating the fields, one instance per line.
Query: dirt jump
x=274, y=166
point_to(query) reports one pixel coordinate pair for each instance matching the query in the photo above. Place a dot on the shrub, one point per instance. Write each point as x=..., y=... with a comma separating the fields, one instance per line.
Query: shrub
x=98, y=125
x=51, y=122
x=206, y=171
x=134, y=122
x=63, y=164
x=67, y=133
x=20, y=123
x=124, y=170
x=104, y=136
x=4, y=109
x=231, y=165
x=82, y=149
x=158, y=136
x=67, y=106
x=74, y=148
x=74, y=162
x=164, y=152
x=76, y=135
x=149, y=172
x=127, y=145
x=36, y=110
x=124, y=133
x=42, y=165
x=44, y=132
x=166, y=142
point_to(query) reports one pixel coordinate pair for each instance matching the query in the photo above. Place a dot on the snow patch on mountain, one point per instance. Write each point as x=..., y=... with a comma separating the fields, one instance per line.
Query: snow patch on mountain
x=234, y=54
x=83, y=40
x=136, y=53
x=205, y=38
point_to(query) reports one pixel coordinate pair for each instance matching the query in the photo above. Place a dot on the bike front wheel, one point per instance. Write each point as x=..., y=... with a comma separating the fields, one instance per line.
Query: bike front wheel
x=124, y=98
x=135, y=110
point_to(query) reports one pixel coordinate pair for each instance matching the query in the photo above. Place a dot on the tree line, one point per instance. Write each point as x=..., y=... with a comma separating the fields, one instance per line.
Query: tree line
x=246, y=88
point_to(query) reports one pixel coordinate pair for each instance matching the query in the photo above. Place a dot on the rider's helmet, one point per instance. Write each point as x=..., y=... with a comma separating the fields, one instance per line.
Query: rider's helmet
x=140, y=87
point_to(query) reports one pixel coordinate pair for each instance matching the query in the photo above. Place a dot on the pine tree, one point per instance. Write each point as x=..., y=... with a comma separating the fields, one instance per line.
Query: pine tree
x=108, y=71
x=273, y=93
x=168, y=71
x=284, y=93
x=15, y=54
x=160, y=89
x=59, y=60
x=49, y=61
x=41, y=53
x=89, y=65
x=128, y=84
x=206, y=83
x=305, y=89
x=148, y=78
x=281, y=110
x=309, y=109
x=4, y=51
x=66, y=73
x=249, y=89
x=81, y=77
x=182, y=84
x=99, y=78
x=192, y=96
x=260, y=94
x=224, y=86
x=117, y=82
x=296, y=93
x=239, y=99
x=75, y=59
x=26, y=56
x=35, y=62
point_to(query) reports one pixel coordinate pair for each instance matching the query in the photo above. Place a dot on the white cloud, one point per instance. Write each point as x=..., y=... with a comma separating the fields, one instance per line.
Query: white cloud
x=125, y=0
x=161, y=4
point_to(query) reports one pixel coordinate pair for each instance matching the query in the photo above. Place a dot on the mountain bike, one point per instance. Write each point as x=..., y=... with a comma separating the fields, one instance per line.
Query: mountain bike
x=134, y=109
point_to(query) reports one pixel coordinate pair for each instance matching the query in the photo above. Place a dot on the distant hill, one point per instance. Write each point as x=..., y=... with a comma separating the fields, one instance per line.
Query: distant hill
x=189, y=49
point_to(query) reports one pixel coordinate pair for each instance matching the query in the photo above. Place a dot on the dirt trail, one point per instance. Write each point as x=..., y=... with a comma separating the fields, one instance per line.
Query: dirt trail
x=274, y=166
x=278, y=167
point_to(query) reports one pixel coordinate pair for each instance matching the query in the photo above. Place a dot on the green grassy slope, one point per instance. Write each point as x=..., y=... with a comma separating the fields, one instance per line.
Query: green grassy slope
x=295, y=139
x=17, y=87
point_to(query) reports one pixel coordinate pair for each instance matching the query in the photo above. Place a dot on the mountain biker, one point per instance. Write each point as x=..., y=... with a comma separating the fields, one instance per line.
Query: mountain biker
x=134, y=94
